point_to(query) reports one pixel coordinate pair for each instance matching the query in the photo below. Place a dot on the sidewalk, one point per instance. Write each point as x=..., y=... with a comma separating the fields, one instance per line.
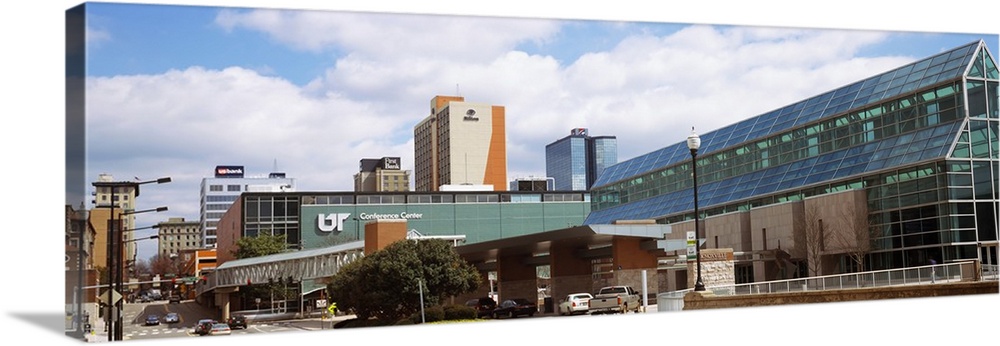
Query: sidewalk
x=97, y=333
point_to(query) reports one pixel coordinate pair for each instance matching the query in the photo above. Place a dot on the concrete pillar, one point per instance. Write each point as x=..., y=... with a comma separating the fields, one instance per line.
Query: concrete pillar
x=517, y=280
x=717, y=268
x=628, y=261
x=570, y=273
x=223, y=299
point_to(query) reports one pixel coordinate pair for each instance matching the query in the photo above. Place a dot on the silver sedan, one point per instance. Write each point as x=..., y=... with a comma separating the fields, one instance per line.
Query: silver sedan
x=171, y=317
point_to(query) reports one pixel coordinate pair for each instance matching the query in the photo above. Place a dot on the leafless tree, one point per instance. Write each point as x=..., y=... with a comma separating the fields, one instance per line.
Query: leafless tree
x=142, y=267
x=856, y=236
x=812, y=236
x=163, y=265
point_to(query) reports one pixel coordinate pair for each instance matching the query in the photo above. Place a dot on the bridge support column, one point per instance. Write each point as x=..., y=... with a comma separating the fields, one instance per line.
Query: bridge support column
x=222, y=299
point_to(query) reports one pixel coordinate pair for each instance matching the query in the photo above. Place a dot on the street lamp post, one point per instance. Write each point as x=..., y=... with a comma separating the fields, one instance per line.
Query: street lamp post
x=120, y=268
x=124, y=241
x=113, y=265
x=693, y=143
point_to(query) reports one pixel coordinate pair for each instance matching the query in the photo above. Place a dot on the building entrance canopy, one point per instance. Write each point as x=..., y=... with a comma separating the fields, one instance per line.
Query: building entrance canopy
x=592, y=241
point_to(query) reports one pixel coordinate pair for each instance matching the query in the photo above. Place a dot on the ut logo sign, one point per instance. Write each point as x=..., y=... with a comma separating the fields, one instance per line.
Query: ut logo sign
x=331, y=222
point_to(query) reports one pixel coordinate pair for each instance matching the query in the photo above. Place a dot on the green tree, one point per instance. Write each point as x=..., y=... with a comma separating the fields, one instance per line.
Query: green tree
x=384, y=284
x=262, y=245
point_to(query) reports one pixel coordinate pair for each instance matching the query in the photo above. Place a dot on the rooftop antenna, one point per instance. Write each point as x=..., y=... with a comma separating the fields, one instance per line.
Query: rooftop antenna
x=457, y=91
x=275, y=165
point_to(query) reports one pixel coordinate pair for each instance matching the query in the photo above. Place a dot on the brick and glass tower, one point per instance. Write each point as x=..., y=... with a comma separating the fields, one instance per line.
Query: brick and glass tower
x=460, y=143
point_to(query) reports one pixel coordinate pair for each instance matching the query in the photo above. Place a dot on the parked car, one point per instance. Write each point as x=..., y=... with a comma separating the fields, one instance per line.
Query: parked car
x=204, y=326
x=219, y=329
x=484, y=306
x=237, y=321
x=515, y=307
x=171, y=317
x=615, y=299
x=152, y=320
x=576, y=303
x=175, y=299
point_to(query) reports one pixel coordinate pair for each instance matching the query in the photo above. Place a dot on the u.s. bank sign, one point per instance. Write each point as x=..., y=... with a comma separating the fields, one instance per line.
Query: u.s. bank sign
x=335, y=222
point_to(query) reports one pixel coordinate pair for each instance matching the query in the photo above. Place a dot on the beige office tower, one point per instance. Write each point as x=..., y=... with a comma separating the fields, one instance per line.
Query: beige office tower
x=377, y=175
x=177, y=235
x=123, y=199
x=460, y=143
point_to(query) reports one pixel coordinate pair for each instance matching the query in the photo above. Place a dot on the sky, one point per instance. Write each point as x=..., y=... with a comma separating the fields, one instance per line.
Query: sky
x=175, y=91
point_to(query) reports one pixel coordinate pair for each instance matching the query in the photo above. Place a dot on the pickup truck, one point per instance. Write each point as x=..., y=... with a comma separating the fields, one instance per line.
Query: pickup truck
x=615, y=299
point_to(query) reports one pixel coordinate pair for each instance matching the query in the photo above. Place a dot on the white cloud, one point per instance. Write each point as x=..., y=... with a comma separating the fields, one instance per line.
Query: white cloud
x=703, y=75
x=185, y=122
x=647, y=90
x=96, y=36
x=387, y=36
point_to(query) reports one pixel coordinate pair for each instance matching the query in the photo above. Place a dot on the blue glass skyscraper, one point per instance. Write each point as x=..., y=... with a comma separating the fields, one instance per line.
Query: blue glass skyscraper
x=575, y=161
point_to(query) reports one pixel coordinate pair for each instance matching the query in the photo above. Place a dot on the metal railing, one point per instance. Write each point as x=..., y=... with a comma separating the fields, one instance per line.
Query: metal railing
x=991, y=272
x=951, y=272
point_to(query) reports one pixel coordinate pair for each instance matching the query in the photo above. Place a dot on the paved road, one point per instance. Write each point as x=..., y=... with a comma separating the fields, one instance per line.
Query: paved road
x=135, y=316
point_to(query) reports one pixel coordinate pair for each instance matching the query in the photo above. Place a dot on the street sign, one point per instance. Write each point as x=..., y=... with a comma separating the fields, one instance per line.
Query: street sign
x=692, y=240
x=115, y=297
x=320, y=303
x=332, y=308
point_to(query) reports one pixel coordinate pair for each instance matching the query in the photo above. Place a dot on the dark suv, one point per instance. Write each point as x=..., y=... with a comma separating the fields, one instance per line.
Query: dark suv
x=237, y=321
x=174, y=299
x=204, y=326
x=484, y=306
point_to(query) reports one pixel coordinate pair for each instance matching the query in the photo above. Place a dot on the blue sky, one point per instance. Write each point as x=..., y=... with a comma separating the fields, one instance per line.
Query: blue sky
x=177, y=90
x=149, y=39
x=34, y=77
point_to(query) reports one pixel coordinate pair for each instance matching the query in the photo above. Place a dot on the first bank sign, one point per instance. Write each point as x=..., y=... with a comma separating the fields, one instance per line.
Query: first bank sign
x=335, y=222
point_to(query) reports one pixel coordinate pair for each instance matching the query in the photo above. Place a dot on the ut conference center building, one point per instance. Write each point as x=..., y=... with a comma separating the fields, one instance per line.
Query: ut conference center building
x=913, y=150
x=912, y=153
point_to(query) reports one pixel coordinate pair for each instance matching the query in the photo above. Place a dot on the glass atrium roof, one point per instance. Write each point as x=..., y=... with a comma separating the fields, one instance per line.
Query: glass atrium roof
x=928, y=142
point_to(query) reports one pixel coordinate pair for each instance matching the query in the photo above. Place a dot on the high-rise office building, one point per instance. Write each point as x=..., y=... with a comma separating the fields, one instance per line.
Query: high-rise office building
x=575, y=161
x=381, y=175
x=123, y=199
x=219, y=192
x=460, y=143
x=177, y=235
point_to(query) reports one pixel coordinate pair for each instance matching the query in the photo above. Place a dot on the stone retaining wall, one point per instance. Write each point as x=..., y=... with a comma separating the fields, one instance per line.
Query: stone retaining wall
x=697, y=301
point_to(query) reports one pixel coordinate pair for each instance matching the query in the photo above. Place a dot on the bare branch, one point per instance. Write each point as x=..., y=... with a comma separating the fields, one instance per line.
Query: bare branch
x=813, y=236
x=858, y=238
